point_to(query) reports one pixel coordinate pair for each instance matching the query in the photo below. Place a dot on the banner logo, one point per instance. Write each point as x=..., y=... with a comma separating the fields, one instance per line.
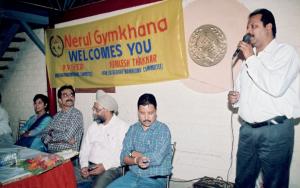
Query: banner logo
x=56, y=46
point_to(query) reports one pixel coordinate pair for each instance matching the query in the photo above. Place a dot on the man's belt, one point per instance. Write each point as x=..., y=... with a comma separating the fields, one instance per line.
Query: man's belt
x=274, y=121
x=157, y=177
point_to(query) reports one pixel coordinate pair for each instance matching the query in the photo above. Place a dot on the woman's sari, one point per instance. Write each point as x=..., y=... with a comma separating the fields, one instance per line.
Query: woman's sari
x=27, y=141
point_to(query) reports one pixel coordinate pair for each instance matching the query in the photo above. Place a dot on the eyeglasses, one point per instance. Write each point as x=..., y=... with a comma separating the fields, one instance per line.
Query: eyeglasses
x=97, y=110
x=67, y=94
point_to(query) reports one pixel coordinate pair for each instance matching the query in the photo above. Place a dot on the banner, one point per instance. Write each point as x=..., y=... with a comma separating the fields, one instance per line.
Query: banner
x=142, y=46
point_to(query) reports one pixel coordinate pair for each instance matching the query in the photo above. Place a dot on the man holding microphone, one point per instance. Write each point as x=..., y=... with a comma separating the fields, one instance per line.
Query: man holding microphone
x=267, y=93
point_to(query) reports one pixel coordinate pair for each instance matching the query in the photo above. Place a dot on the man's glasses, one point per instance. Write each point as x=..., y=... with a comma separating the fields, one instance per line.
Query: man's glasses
x=97, y=110
x=67, y=95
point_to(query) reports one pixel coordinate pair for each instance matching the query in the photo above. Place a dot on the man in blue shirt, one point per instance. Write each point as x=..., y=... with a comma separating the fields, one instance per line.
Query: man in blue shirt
x=146, y=149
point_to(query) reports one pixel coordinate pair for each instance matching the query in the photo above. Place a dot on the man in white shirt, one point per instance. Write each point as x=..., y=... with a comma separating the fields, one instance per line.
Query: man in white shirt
x=102, y=144
x=5, y=130
x=267, y=94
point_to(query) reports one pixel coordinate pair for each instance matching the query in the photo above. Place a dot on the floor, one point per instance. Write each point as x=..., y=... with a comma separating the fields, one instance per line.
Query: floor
x=176, y=183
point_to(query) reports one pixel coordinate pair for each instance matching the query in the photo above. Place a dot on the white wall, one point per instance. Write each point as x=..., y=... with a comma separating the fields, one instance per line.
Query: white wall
x=25, y=78
x=200, y=123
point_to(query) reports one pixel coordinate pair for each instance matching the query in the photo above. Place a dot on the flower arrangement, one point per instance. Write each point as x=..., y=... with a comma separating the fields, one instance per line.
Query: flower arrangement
x=41, y=163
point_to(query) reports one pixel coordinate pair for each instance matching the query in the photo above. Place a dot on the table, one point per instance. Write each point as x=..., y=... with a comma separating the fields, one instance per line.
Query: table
x=61, y=176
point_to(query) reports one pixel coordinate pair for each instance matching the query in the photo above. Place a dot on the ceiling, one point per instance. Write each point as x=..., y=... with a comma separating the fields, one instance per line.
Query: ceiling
x=25, y=15
x=41, y=13
x=47, y=7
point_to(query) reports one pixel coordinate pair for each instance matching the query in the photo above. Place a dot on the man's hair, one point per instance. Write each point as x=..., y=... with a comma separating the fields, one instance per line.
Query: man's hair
x=266, y=17
x=63, y=88
x=44, y=98
x=147, y=99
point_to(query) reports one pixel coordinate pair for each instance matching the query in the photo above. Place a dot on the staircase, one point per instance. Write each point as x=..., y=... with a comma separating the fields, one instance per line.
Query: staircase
x=16, y=19
x=8, y=52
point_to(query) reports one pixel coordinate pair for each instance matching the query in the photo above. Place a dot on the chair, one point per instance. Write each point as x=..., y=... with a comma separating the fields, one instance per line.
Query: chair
x=173, y=153
x=21, y=124
x=126, y=167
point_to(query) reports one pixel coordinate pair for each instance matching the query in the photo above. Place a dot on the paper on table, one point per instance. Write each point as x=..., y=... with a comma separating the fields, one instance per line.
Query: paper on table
x=67, y=154
x=23, y=153
x=10, y=173
x=27, y=153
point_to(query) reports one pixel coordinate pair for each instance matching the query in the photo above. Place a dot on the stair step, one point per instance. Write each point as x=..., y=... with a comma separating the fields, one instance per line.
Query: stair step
x=18, y=39
x=6, y=59
x=5, y=67
x=12, y=49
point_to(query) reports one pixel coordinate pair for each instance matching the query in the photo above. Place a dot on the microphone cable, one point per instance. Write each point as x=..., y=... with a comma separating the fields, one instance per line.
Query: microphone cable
x=233, y=62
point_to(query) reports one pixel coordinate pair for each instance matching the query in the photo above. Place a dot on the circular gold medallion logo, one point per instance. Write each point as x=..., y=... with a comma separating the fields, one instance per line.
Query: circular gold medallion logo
x=207, y=45
x=56, y=46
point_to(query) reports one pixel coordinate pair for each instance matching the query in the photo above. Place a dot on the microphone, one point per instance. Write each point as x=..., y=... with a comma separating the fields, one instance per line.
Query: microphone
x=246, y=38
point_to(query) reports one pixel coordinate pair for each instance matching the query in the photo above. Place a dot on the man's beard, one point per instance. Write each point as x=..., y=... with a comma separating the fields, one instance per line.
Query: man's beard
x=98, y=119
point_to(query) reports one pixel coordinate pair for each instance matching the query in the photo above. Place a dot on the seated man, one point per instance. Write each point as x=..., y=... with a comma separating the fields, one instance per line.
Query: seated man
x=66, y=129
x=146, y=149
x=102, y=144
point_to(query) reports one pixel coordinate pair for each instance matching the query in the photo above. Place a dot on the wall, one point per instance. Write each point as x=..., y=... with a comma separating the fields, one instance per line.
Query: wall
x=26, y=77
x=199, y=122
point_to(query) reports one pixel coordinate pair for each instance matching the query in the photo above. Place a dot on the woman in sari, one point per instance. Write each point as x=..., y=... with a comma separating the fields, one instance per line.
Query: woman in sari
x=32, y=129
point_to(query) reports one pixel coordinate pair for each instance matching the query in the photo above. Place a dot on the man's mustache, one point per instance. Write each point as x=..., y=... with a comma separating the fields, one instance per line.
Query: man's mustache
x=69, y=100
x=146, y=121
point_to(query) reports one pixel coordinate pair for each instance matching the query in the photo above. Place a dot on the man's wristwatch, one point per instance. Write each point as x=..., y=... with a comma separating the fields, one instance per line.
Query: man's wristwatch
x=130, y=154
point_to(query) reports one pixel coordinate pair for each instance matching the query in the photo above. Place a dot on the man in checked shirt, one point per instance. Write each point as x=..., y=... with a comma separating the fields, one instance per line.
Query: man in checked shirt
x=146, y=149
x=66, y=129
